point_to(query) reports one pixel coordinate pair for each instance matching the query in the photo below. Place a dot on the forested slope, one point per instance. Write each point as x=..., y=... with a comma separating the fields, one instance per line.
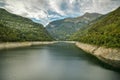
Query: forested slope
x=63, y=29
x=17, y=28
x=104, y=32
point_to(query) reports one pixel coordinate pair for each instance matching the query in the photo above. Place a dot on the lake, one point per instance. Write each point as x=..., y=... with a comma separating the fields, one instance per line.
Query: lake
x=59, y=61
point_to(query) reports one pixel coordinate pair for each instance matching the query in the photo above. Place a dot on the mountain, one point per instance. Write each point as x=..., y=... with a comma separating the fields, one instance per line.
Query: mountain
x=104, y=32
x=17, y=28
x=62, y=29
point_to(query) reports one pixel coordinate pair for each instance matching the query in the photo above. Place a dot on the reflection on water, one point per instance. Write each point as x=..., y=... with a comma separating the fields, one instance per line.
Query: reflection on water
x=59, y=61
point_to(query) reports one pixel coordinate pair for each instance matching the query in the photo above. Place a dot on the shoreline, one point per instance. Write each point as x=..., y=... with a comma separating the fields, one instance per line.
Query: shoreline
x=12, y=45
x=107, y=55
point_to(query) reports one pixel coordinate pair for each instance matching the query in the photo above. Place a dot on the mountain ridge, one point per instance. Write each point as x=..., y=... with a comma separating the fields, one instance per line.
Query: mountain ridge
x=62, y=29
x=18, y=28
x=104, y=32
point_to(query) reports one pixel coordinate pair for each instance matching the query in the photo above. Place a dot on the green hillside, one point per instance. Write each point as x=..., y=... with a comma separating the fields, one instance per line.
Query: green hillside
x=104, y=32
x=63, y=29
x=17, y=28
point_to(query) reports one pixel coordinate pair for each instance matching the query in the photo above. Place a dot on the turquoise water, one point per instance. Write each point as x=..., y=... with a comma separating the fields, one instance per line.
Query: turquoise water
x=60, y=61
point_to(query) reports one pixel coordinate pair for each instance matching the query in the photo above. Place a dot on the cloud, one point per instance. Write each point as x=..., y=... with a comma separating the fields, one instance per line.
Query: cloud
x=2, y=3
x=44, y=11
x=100, y=6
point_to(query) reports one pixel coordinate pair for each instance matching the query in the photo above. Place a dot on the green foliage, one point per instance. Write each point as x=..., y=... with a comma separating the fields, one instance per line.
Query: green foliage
x=104, y=32
x=17, y=28
x=63, y=29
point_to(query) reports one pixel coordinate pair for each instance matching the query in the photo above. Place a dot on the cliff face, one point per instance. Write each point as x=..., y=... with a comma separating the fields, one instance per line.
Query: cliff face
x=107, y=55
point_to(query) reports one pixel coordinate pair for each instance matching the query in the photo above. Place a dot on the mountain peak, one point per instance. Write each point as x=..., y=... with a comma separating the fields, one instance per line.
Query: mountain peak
x=88, y=14
x=20, y=29
x=62, y=29
x=103, y=32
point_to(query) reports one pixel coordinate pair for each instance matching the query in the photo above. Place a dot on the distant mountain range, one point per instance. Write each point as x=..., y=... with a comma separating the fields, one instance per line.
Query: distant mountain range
x=92, y=28
x=105, y=31
x=17, y=28
x=63, y=29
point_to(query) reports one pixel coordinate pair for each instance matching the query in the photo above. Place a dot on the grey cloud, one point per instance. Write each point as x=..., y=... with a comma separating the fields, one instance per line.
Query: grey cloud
x=2, y=3
x=48, y=10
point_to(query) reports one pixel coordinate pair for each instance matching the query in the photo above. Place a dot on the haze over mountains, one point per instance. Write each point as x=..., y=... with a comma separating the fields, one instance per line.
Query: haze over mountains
x=45, y=11
x=62, y=29
x=92, y=27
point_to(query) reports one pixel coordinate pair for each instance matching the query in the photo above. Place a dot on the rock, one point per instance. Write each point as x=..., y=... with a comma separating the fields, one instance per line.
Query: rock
x=110, y=56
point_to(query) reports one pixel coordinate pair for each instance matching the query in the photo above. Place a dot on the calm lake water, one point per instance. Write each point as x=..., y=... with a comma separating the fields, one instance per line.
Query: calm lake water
x=60, y=61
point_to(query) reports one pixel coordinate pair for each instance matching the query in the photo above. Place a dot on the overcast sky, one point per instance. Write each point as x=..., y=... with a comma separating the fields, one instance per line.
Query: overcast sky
x=44, y=11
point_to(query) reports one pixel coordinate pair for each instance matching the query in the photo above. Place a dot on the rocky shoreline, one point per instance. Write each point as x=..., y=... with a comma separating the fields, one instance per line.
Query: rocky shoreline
x=10, y=45
x=107, y=55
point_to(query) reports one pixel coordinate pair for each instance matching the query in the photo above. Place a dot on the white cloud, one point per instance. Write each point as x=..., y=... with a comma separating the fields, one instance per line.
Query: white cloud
x=48, y=10
x=100, y=6
x=54, y=6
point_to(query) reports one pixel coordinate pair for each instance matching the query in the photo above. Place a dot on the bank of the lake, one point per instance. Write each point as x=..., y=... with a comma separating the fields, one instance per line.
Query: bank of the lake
x=59, y=61
x=11, y=45
x=110, y=56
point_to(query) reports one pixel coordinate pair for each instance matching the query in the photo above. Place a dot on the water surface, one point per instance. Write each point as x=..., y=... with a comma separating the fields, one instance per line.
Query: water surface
x=61, y=61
